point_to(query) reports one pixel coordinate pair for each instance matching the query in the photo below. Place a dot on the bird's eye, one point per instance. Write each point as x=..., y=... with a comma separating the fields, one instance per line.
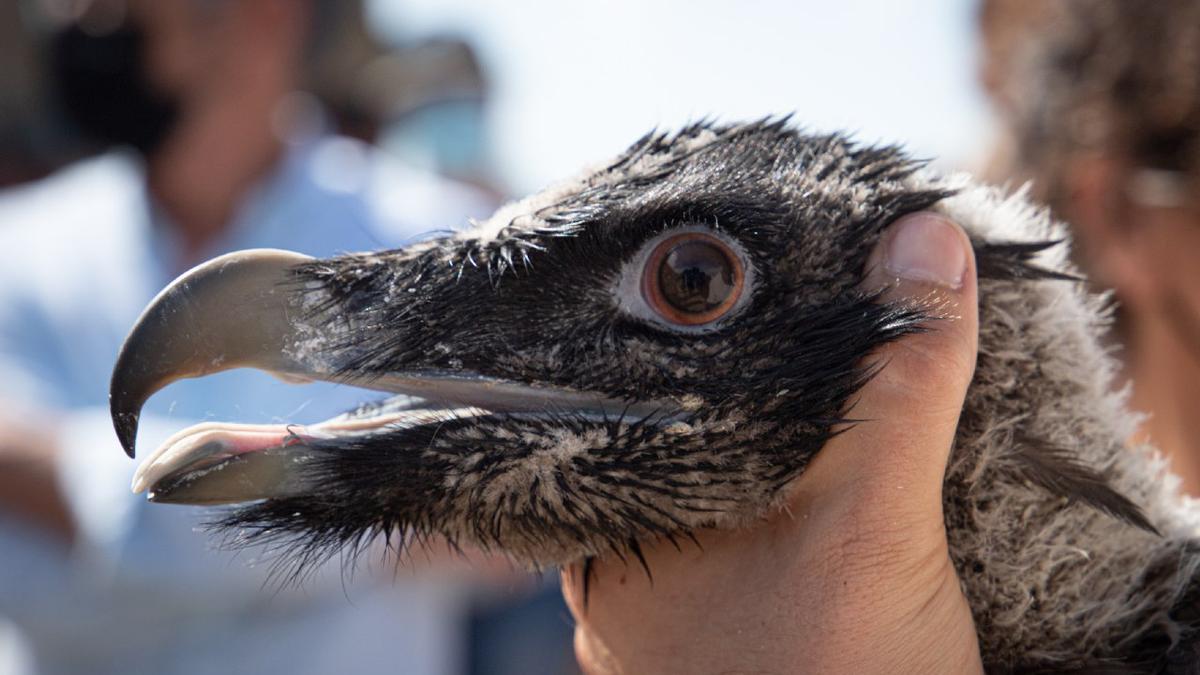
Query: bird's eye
x=692, y=278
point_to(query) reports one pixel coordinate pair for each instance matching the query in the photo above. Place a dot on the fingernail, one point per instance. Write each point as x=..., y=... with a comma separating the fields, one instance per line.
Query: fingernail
x=926, y=247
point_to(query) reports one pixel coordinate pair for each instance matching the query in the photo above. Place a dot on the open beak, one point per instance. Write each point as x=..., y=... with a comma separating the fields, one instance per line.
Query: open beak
x=247, y=309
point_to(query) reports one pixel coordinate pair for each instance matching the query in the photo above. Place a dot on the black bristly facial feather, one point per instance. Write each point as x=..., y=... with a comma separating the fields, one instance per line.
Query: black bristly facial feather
x=757, y=396
x=530, y=297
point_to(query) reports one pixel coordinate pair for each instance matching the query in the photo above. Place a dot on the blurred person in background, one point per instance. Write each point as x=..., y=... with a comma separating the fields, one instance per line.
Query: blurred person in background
x=214, y=150
x=1100, y=103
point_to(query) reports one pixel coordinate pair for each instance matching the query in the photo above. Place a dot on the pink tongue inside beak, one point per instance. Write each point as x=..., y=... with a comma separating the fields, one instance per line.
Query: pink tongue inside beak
x=207, y=444
x=241, y=443
x=224, y=463
x=215, y=463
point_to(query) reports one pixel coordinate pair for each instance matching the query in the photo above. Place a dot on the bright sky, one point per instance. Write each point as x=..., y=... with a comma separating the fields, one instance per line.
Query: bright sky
x=575, y=82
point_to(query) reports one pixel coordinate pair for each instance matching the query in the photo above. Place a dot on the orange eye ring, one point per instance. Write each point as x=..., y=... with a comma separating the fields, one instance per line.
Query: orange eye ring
x=692, y=279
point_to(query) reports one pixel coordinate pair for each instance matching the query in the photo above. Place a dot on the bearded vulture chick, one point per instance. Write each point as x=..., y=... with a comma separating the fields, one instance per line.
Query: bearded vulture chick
x=662, y=345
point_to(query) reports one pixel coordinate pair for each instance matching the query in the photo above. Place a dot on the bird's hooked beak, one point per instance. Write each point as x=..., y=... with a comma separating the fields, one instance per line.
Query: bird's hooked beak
x=247, y=309
x=237, y=310
x=230, y=312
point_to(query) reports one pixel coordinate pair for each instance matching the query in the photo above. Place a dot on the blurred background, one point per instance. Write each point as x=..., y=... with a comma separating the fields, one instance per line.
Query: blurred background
x=524, y=93
x=138, y=137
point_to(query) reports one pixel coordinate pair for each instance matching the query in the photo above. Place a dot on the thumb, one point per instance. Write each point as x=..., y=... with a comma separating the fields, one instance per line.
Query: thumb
x=907, y=414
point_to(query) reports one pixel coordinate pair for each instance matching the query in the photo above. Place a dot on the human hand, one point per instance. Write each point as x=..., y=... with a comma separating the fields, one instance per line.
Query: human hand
x=854, y=576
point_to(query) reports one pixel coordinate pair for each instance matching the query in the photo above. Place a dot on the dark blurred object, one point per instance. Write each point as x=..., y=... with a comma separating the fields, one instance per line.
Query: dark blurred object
x=72, y=83
x=100, y=81
x=33, y=141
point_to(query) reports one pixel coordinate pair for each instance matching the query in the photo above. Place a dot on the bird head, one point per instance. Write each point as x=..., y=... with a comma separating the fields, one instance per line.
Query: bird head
x=657, y=346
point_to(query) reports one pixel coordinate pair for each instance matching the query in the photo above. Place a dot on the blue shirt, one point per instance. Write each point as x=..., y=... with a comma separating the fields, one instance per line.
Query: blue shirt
x=141, y=590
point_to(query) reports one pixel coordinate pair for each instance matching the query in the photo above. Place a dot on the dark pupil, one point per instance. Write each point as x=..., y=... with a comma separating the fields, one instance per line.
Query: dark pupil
x=695, y=277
